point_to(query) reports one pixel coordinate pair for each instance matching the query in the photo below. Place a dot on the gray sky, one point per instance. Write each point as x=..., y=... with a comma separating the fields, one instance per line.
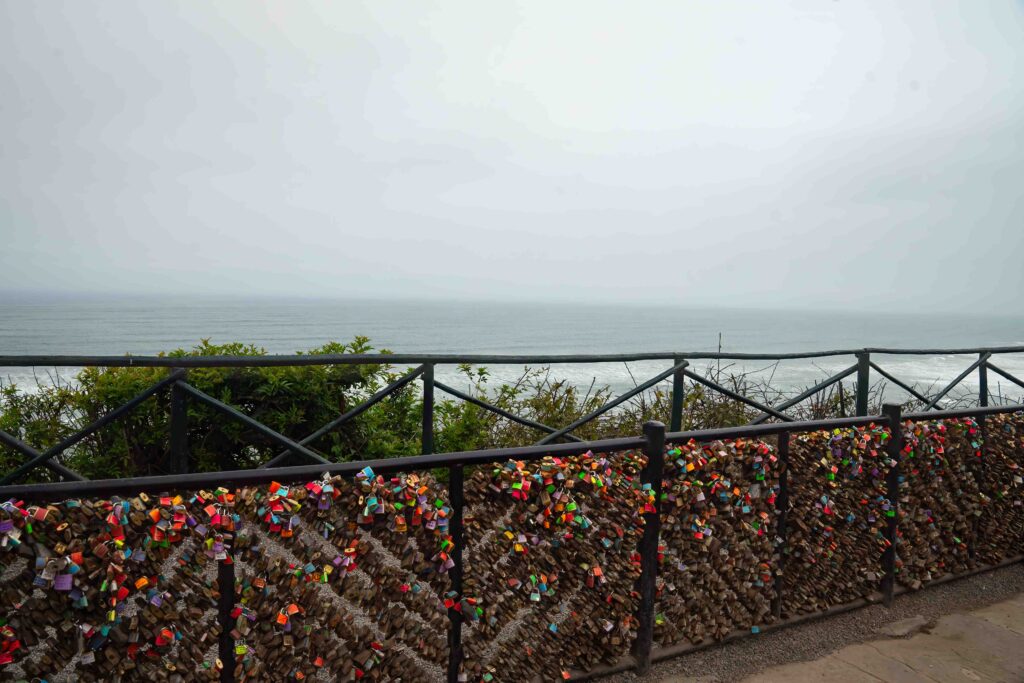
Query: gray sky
x=787, y=153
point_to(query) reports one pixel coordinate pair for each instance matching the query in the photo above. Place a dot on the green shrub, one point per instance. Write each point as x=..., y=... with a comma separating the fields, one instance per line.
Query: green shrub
x=292, y=400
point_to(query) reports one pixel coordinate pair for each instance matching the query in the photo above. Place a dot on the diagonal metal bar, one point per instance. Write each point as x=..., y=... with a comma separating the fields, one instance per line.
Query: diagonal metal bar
x=355, y=412
x=737, y=397
x=116, y=413
x=102, y=422
x=256, y=425
x=613, y=403
x=807, y=393
x=22, y=447
x=905, y=387
x=959, y=378
x=500, y=411
x=1005, y=374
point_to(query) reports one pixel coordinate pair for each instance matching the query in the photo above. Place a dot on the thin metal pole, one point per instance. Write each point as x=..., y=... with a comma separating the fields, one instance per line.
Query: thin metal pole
x=782, y=510
x=737, y=397
x=1005, y=374
x=902, y=385
x=983, y=384
x=893, y=413
x=255, y=425
x=428, y=409
x=456, y=476
x=821, y=386
x=54, y=451
x=959, y=378
x=863, y=382
x=979, y=462
x=651, y=475
x=351, y=414
x=179, y=425
x=17, y=444
x=679, y=367
x=965, y=412
x=225, y=605
x=468, y=398
x=678, y=397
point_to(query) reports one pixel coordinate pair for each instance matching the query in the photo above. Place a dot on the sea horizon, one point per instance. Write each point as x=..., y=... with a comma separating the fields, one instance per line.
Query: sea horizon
x=90, y=323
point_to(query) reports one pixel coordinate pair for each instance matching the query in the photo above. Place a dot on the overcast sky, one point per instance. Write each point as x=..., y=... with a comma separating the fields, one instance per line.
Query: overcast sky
x=721, y=153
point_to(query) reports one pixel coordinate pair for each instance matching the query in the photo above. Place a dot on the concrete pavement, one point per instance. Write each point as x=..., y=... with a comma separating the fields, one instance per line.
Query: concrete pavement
x=986, y=644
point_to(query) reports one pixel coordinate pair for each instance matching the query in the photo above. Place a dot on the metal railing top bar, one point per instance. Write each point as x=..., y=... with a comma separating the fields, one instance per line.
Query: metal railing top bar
x=13, y=361
x=411, y=463
x=751, y=430
x=964, y=412
x=464, y=458
x=942, y=352
x=420, y=462
x=408, y=463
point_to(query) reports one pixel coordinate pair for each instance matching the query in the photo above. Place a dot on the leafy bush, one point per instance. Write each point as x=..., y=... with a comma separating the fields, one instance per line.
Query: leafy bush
x=293, y=400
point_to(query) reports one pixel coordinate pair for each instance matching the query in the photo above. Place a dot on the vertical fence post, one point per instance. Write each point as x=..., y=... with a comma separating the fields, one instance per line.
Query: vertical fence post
x=782, y=510
x=653, y=474
x=678, y=397
x=894, y=415
x=428, y=409
x=979, y=463
x=455, y=496
x=178, y=461
x=983, y=384
x=863, y=381
x=225, y=605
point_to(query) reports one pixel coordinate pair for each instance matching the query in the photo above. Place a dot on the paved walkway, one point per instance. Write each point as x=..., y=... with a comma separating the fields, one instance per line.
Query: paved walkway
x=986, y=644
x=971, y=627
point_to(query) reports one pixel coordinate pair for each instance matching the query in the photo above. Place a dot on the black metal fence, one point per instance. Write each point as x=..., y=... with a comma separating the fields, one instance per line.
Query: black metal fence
x=182, y=392
x=653, y=441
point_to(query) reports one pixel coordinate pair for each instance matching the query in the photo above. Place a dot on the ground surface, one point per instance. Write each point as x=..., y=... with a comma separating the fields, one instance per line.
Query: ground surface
x=982, y=645
x=963, y=631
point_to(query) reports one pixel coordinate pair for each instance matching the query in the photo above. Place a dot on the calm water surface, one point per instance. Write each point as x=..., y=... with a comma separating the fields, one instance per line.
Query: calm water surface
x=35, y=324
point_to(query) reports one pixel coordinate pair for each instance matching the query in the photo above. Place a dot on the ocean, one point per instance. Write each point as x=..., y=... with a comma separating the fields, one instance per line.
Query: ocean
x=58, y=325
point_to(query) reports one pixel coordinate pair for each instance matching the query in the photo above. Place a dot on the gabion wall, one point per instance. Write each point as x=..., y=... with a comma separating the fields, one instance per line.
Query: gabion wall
x=839, y=510
x=717, y=537
x=1001, y=522
x=349, y=580
x=552, y=555
x=94, y=588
